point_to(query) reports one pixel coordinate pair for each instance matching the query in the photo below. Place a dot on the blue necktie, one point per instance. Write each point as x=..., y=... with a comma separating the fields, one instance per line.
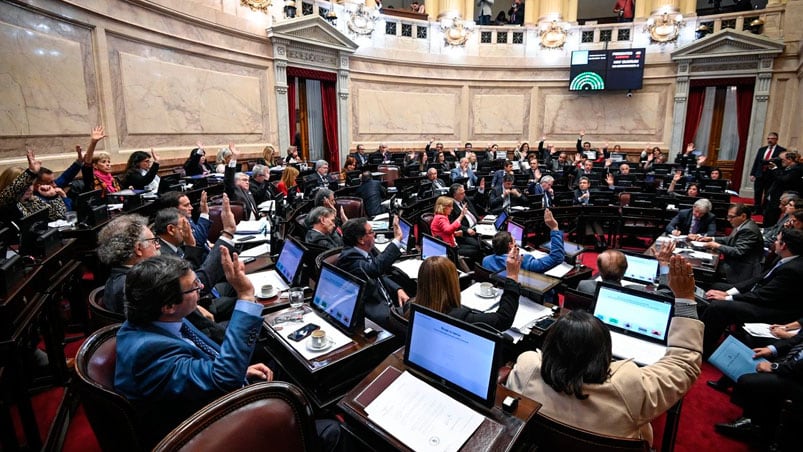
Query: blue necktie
x=188, y=333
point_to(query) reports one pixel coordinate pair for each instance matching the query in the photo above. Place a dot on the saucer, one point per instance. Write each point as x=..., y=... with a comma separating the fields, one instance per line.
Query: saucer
x=481, y=295
x=381, y=242
x=326, y=346
x=269, y=295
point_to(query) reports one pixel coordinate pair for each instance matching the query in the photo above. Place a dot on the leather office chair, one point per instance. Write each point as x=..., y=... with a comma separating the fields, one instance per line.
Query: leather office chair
x=328, y=256
x=352, y=206
x=424, y=225
x=574, y=299
x=552, y=435
x=111, y=416
x=273, y=415
x=217, y=224
x=391, y=173
x=99, y=315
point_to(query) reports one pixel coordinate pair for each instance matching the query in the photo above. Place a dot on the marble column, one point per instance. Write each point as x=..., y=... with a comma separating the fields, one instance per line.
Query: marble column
x=280, y=88
x=432, y=7
x=758, y=119
x=343, y=116
x=671, y=5
x=450, y=8
x=642, y=9
x=468, y=10
x=550, y=10
x=532, y=9
x=688, y=8
x=570, y=12
x=679, y=110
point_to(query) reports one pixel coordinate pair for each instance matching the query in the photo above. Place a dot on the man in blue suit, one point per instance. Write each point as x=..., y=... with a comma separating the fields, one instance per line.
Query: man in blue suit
x=462, y=171
x=503, y=242
x=165, y=366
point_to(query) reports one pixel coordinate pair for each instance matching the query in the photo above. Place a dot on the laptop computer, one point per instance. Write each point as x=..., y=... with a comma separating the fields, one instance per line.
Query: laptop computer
x=430, y=246
x=458, y=358
x=406, y=229
x=338, y=299
x=641, y=269
x=517, y=231
x=286, y=269
x=489, y=230
x=638, y=322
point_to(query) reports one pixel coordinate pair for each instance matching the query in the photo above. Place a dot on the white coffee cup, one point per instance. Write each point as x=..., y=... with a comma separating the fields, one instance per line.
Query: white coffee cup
x=318, y=338
x=381, y=238
x=266, y=291
x=487, y=289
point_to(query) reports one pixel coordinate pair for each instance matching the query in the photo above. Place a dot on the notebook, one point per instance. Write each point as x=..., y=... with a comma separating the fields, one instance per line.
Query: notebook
x=641, y=269
x=338, y=298
x=638, y=321
x=286, y=267
x=458, y=358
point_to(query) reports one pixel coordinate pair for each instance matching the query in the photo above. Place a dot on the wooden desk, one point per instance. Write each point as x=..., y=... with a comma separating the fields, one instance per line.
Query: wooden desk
x=488, y=437
x=327, y=378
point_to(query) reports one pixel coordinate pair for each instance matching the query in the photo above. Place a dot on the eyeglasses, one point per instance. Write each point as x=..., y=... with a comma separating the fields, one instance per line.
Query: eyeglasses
x=196, y=287
x=153, y=240
x=371, y=232
x=730, y=217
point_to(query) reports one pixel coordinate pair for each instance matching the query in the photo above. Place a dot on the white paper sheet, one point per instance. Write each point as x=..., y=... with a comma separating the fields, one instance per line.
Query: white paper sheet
x=260, y=279
x=761, y=330
x=421, y=417
x=252, y=226
x=528, y=313
x=470, y=299
x=257, y=251
x=409, y=267
x=559, y=271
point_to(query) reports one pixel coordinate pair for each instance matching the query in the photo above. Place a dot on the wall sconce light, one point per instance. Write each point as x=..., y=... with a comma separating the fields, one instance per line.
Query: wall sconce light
x=756, y=26
x=702, y=31
x=664, y=27
x=363, y=20
x=456, y=30
x=289, y=9
x=553, y=36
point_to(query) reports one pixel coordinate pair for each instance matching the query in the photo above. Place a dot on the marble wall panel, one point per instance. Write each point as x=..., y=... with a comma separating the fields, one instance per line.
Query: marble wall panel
x=393, y=112
x=167, y=98
x=498, y=114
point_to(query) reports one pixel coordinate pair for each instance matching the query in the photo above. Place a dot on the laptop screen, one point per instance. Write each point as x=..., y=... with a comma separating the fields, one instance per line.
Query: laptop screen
x=517, y=231
x=460, y=356
x=338, y=296
x=500, y=220
x=629, y=310
x=641, y=269
x=405, y=229
x=289, y=260
x=431, y=246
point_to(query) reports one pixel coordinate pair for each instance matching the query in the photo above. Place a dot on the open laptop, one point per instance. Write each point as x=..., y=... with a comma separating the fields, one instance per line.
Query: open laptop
x=406, y=230
x=338, y=299
x=641, y=269
x=455, y=357
x=287, y=267
x=430, y=246
x=489, y=230
x=638, y=321
x=517, y=232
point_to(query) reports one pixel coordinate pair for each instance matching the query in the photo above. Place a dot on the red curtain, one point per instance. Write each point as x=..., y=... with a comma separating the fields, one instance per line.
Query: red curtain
x=744, y=108
x=329, y=101
x=694, y=111
x=291, y=108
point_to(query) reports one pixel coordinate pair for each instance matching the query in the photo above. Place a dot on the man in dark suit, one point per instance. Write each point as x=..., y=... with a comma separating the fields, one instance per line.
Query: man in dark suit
x=361, y=259
x=788, y=176
x=258, y=183
x=612, y=265
x=743, y=248
x=500, y=174
x=697, y=220
x=372, y=193
x=758, y=174
x=360, y=156
x=238, y=187
x=770, y=298
x=464, y=171
x=467, y=240
x=543, y=189
x=432, y=186
x=323, y=230
x=504, y=196
x=319, y=179
x=762, y=394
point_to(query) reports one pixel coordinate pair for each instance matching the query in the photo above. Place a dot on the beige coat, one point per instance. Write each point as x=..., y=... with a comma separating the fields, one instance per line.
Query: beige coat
x=625, y=404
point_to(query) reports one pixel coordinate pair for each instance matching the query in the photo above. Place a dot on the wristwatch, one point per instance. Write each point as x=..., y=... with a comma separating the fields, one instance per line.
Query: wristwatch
x=774, y=367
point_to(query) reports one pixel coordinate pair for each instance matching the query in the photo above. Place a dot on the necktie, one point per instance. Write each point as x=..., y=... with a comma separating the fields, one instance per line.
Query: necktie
x=768, y=154
x=695, y=224
x=188, y=333
x=380, y=284
x=546, y=200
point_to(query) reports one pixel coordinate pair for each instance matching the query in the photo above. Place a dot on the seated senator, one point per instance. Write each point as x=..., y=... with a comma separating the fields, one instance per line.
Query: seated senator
x=441, y=227
x=323, y=230
x=578, y=383
x=439, y=289
x=697, y=220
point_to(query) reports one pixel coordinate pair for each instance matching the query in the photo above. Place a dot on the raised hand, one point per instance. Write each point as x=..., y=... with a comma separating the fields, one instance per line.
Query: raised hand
x=204, y=205
x=234, y=269
x=154, y=157
x=513, y=263
x=79, y=152
x=33, y=164
x=550, y=221
x=97, y=134
x=681, y=278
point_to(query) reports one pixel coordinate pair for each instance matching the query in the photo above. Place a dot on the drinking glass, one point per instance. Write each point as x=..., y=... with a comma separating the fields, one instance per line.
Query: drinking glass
x=296, y=297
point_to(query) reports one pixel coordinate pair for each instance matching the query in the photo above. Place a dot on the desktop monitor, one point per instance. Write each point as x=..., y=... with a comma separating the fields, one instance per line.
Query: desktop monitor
x=338, y=297
x=33, y=229
x=91, y=208
x=517, y=231
x=169, y=182
x=430, y=246
x=461, y=357
x=290, y=260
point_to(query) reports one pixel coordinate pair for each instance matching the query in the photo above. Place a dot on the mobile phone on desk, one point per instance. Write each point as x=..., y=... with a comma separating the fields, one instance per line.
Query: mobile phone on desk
x=302, y=332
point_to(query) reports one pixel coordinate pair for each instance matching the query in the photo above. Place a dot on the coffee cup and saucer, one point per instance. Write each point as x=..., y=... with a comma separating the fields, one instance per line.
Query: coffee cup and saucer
x=380, y=239
x=267, y=291
x=486, y=290
x=318, y=341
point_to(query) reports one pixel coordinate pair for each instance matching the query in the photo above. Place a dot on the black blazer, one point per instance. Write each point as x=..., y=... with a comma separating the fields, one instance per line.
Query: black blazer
x=682, y=222
x=328, y=241
x=781, y=290
x=372, y=193
x=759, y=164
x=379, y=265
